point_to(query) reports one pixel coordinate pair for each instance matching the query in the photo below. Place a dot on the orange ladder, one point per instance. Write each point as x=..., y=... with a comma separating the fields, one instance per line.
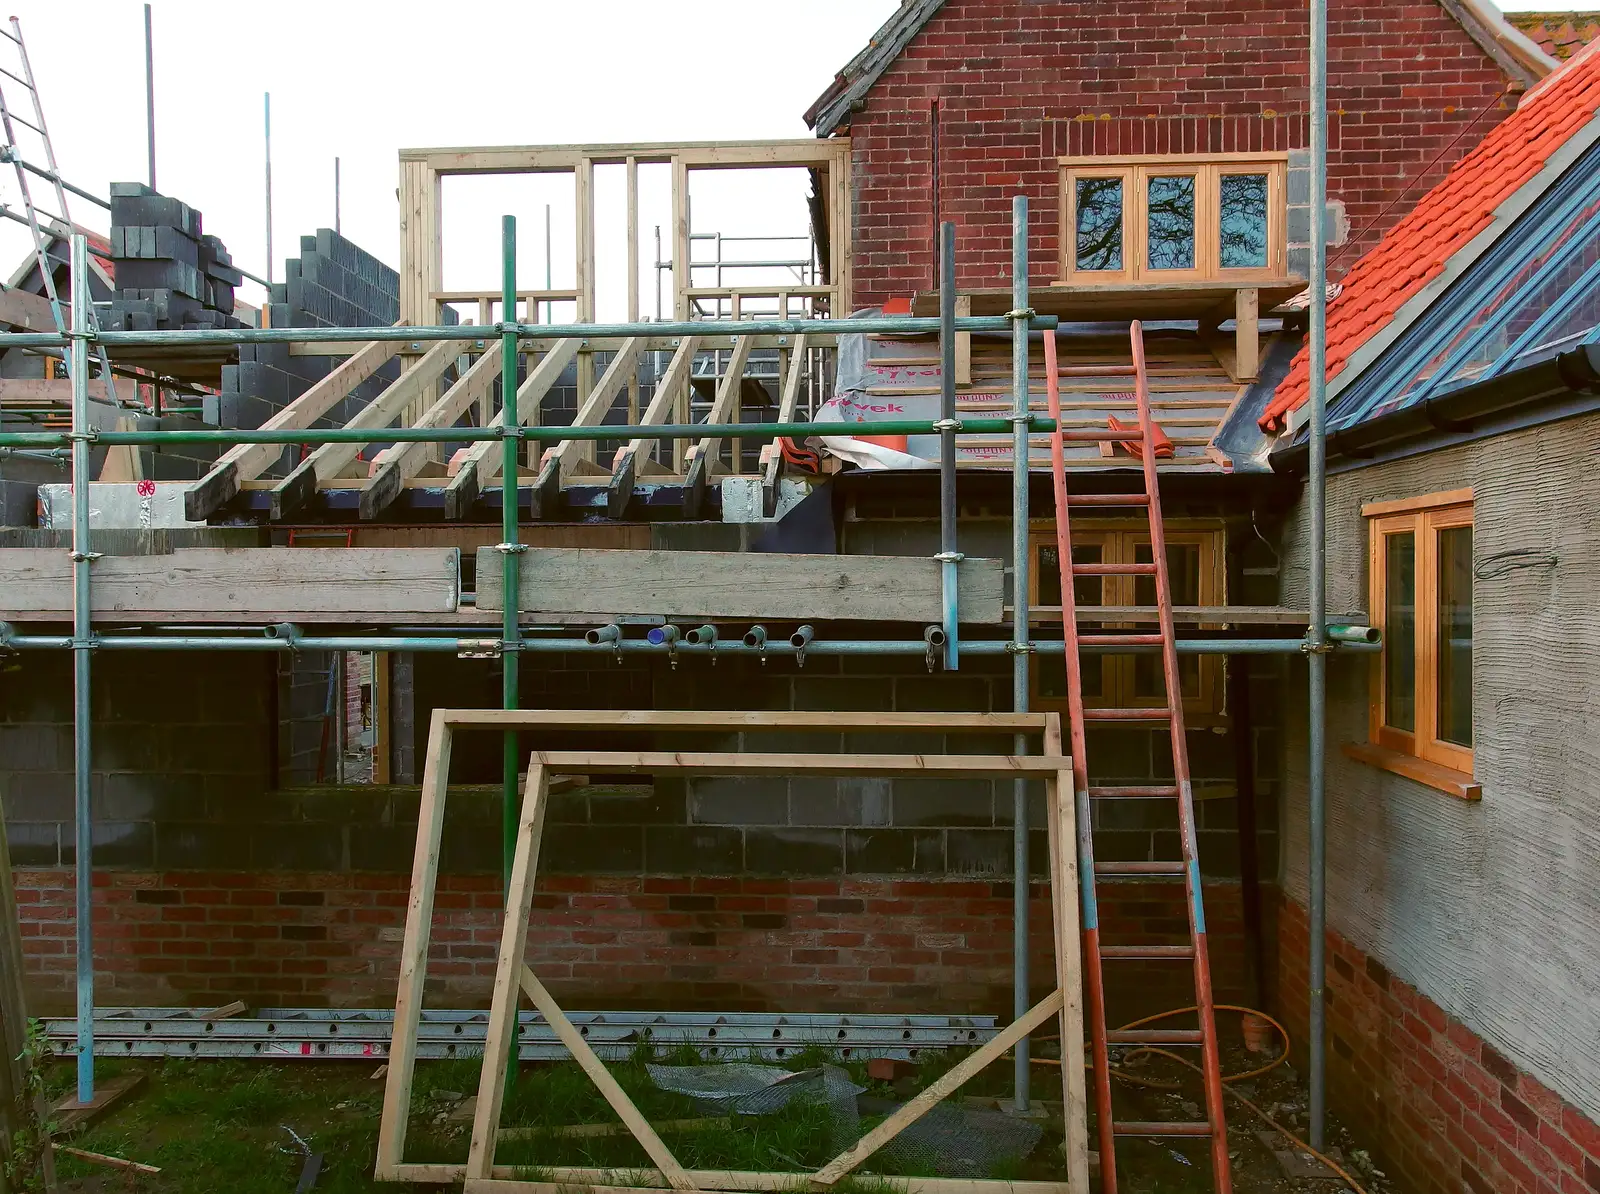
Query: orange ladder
x=1179, y=792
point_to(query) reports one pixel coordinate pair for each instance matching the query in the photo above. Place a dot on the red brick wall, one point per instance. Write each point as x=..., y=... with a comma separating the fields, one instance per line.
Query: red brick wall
x=1448, y=1112
x=1012, y=84
x=308, y=939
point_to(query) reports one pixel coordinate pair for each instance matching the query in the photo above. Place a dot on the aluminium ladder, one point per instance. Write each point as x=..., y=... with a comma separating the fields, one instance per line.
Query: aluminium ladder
x=1179, y=792
x=60, y=220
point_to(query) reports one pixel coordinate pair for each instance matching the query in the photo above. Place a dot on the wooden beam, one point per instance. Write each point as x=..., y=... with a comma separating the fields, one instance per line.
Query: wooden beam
x=481, y=462
x=501, y=1034
x=1247, y=339
x=22, y=310
x=397, y=464
x=681, y=763
x=739, y=585
x=788, y=403
x=38, y=391
x=246, y=462
x=571, y=1179
x=414, y=953
x=255, y=583
x=559, y=461
x=701, y=459
x=559, y=159
x=721, y=719
x=625, y=465
x=329, y=460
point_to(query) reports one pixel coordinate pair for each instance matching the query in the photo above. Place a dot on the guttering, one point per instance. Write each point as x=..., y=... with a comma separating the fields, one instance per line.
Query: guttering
x=1563, y=386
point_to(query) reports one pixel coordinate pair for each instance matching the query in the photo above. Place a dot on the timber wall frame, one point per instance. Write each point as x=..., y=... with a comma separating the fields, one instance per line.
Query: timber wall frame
x=421, y=197
x=513, y=976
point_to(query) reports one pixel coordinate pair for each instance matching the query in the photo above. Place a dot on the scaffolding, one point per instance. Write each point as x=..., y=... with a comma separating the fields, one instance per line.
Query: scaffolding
x=512, y=643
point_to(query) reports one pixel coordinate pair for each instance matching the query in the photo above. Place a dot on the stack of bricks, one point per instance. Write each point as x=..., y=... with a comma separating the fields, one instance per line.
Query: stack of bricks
x=170, y=275
x=333, y=283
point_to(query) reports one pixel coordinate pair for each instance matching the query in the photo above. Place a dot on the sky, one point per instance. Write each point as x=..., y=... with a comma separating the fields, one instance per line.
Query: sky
x=357, y=80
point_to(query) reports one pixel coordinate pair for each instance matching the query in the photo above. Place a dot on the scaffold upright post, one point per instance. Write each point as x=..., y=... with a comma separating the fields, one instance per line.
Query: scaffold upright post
x=82, y=642
x=509, y=548
x=1020, y=322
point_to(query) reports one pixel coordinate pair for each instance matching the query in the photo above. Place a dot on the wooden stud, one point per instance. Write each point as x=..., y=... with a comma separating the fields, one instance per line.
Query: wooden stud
x=414, y=952
x=501, y=1035
x=1246, y=337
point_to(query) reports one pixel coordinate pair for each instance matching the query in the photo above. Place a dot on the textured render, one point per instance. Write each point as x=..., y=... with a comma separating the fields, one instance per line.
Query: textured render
x=1416, y=250
x=1488, y=909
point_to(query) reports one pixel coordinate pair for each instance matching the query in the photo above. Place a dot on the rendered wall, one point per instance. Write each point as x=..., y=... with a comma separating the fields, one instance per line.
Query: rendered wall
x=1490, y=910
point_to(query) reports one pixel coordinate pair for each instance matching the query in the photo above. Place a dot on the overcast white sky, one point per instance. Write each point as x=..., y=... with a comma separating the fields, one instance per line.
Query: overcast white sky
x=358, y=79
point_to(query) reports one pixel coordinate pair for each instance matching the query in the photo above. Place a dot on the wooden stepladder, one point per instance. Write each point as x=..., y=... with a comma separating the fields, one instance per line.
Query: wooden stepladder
x=1180, y=792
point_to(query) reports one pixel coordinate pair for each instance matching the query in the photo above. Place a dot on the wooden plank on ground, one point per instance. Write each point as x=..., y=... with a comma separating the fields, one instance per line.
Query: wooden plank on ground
x=737, y=585
x=258, y=583
x=69, y=1115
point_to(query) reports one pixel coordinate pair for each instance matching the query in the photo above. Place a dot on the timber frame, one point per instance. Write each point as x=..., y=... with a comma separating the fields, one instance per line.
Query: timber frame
x=513, y=976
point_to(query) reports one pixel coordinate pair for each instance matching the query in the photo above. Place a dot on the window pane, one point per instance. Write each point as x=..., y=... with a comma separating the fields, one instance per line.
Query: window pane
x=1455, y=635
x=1169, y=222
x=1400, y=633
x=1183, y=575
x=1243, y=224
x=1099, y=207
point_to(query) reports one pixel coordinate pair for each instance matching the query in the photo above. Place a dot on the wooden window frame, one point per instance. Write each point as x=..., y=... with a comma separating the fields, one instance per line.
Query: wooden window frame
x=1118, y=541
x=1423, y=518
x=1208, y=169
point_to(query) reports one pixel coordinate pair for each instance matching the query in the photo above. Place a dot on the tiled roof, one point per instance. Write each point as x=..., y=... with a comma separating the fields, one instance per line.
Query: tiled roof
x=1559, y=34
x=1418, y=248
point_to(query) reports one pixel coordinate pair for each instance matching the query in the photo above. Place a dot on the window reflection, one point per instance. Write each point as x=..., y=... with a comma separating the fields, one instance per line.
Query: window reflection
x=1243, y=221
x=1169, y=222
x=1098, y=202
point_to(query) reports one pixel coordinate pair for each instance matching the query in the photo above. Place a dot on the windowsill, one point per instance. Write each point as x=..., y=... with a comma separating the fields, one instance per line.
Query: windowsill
x=1451, y=782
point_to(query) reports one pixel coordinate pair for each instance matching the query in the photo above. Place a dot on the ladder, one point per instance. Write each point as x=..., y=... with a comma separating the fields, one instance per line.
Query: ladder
x=1179, y=793
x=59, y=221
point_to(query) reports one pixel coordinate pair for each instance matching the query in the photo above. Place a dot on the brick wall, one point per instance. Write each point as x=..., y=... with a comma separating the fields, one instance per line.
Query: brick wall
x=1002, y=87
x=682, y=942
x=1445, y=1111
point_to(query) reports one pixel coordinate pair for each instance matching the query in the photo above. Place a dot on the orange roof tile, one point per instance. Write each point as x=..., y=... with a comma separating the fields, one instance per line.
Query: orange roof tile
x=1462, y=204
x=1558, y=34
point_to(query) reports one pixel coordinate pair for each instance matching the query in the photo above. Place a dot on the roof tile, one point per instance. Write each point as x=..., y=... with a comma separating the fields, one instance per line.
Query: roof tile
x=1463, y=203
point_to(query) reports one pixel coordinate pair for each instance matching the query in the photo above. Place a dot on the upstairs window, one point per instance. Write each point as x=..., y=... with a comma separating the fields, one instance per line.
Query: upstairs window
x=1155, y=219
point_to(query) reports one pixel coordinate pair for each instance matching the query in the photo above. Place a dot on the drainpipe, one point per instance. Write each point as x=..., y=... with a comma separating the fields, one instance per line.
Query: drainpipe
x=949, y=556
x=1019, y=628
x=82, y=643
x=1316, y=632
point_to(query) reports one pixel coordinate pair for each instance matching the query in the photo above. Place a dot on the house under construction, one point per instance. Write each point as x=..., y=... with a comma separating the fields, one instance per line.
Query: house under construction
x=989, y=612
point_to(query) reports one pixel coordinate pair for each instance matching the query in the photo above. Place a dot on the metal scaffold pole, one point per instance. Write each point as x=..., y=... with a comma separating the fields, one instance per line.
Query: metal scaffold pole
x=82, y=643
x=1316, y=631
x=509, y=547
x=1020, y=317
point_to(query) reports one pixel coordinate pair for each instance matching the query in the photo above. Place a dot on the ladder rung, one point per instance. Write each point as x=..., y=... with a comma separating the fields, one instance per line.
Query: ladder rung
x=1120, y=640
x=1127, y=714
x=1164, y=867
x=1134, y=1127
x=1108, y=499
x=1147, y=951
x=1155, y=1036
x=1113, y=569
x=1132, y=791
x=27, y=125
x=26, y=85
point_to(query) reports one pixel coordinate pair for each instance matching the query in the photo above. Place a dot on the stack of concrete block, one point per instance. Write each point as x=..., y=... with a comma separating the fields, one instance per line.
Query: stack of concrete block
x=333, y=283
x=169, y=273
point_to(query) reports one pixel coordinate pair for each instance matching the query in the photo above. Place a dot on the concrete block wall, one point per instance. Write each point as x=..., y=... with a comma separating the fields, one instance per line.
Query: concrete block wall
x=1004, y=88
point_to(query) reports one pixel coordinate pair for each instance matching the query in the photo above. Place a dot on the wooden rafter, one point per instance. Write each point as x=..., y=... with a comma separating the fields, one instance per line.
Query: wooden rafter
x=331, y=459
x=570, y=455
x=788, y=403
x=403, y=461
x=702, y=457
x=635, y=456
x=246, y=462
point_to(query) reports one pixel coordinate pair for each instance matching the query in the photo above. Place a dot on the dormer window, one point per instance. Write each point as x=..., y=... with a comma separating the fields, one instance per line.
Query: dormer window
x=1150, y=220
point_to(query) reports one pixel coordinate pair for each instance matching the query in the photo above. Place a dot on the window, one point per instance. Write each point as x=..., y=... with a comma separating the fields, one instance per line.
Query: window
x=1421, y=572
x=1143, y=219
x=1195, y=570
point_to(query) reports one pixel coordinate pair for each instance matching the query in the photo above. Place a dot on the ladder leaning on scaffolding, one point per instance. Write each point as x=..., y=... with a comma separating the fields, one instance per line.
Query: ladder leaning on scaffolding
x=60, y=220
x=1179, y=793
